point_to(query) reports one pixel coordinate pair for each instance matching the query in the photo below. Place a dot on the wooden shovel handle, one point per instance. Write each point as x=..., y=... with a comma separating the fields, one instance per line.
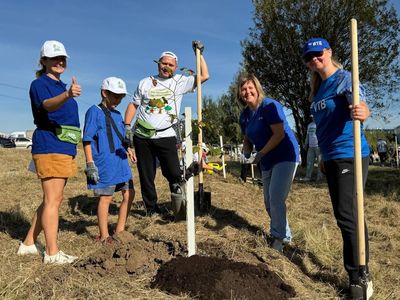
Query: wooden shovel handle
x=358, y=180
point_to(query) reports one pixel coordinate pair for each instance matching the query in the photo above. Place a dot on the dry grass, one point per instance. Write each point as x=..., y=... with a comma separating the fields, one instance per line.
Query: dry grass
x=236, y=228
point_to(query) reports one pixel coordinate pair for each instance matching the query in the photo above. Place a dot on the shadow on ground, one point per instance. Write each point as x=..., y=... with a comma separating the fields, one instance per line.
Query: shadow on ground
x=14, y=224
x=83, y=204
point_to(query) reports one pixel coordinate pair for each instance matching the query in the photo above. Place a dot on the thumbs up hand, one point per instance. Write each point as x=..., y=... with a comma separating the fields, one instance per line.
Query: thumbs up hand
x=75, y=89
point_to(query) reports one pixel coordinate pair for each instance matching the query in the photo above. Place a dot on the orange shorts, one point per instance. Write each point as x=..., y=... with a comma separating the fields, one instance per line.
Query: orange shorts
x=55, y=165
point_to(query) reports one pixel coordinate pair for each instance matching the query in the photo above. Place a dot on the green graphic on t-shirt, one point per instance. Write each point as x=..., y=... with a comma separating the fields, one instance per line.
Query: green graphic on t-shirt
x=158, y=106
x=158, y=101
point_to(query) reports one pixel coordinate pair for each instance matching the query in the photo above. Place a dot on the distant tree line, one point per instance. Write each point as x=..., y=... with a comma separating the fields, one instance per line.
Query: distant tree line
x=273, y=52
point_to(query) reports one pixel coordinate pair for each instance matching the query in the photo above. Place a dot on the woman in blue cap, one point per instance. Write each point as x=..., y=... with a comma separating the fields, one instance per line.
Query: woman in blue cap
x=331, y=98
x=264, y=125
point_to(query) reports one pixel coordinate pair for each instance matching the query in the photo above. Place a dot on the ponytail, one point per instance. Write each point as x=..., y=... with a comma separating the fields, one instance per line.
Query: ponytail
x=41, y=71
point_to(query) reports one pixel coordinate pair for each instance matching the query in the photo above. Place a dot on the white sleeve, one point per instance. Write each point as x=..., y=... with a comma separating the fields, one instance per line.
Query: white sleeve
x=137, y=95
x=188, y=86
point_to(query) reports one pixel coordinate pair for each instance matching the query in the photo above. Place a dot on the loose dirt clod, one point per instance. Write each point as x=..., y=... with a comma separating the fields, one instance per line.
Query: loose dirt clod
x=220, y=278
x=127, y=254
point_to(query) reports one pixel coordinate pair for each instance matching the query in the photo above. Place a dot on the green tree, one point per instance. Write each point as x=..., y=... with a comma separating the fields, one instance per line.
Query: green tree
x=274, y=47
x=212, y=119
x=231, y=112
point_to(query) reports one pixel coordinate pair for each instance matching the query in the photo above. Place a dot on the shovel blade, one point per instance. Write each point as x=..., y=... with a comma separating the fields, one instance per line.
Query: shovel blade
x=202, y=201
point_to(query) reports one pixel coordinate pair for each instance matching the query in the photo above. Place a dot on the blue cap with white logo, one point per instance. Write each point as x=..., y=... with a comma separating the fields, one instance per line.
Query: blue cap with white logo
x=315, y=45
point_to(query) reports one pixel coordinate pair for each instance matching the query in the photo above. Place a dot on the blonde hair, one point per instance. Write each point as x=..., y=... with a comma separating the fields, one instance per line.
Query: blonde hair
x=41, y=71
x=244, y=79
x=315, y=81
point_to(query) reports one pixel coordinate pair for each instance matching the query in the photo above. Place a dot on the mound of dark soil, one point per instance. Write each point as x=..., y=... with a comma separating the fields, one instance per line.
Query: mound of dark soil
x=220, y=278
x=126, y=254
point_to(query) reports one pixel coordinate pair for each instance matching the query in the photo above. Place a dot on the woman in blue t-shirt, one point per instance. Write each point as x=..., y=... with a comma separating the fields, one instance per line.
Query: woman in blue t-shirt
x=53, y=148
x=331, y=98
x=264, y=125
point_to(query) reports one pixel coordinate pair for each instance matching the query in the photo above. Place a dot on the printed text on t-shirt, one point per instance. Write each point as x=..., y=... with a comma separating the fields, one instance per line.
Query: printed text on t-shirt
x=320, y=105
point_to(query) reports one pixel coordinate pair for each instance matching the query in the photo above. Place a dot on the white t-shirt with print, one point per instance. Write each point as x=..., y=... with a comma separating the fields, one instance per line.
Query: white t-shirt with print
x=312, y=136
x=159, y=101
x=381, y=146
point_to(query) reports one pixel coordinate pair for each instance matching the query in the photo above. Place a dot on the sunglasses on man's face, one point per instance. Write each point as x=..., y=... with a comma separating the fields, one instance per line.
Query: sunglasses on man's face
x=309, y=56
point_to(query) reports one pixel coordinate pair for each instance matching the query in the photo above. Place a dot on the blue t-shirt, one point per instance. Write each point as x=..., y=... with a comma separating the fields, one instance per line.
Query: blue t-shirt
x=330, y=108
x=256, y=126
x=44, y=140
x=113, y=167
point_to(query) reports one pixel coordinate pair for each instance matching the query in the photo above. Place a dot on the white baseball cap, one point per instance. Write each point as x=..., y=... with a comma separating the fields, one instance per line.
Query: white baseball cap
x=169, y=54
x=203, y=145
x=114, y=84
x=53, y=49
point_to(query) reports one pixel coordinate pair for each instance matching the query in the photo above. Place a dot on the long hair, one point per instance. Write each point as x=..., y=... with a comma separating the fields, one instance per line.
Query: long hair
x=316, y=79
x=244, y=79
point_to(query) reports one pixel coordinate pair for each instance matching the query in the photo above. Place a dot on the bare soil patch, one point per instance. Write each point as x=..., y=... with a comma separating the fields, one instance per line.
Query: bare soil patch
x=126, y=254
x=219, y=278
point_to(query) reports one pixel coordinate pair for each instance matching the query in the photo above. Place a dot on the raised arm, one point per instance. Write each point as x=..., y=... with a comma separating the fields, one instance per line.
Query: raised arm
x=204, y=75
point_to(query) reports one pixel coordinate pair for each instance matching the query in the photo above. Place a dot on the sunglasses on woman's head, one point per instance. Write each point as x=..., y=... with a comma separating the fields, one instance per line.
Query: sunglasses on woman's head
x=309, y=56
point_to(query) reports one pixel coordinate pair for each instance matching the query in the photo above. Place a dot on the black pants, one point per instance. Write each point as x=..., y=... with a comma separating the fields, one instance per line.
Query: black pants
x=340, y=177
x=147, y=150
x=382, y=156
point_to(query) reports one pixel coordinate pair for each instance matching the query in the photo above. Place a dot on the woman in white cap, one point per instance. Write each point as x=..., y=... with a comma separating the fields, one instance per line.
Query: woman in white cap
x=331, y=99
x=55, y=114
x=107, y=150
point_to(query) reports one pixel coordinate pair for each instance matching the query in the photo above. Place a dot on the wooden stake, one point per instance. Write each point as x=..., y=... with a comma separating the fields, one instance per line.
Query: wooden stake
x=223, y=156
x=190, y=224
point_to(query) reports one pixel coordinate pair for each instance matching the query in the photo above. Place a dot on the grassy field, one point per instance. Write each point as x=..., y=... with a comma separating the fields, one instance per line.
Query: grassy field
x=236, y=228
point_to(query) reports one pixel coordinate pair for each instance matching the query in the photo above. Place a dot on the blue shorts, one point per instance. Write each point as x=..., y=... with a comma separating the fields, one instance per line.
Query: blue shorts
x=110, y=190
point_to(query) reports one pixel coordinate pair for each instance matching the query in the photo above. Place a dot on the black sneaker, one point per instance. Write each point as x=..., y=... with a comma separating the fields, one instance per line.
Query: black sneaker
x=356, y=292
x=155, y=211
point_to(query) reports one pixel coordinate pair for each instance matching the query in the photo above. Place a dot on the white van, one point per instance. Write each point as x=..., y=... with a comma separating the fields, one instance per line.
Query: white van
x=18, y=134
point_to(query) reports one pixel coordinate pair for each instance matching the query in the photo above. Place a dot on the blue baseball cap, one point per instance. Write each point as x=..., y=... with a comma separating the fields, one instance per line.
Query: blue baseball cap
x=315, y=45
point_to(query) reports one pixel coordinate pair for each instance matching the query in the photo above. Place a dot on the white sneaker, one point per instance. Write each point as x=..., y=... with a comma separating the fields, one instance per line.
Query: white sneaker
x=59, y=258
x=31, y=249
x=305, y=179
x=370, y=289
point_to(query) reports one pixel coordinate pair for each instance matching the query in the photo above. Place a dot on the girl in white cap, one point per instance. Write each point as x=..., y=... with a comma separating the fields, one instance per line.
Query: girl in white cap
x=107, y=151
x=55, y=114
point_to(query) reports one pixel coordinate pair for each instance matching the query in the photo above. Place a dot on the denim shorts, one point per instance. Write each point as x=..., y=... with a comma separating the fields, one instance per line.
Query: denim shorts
x=110, y=190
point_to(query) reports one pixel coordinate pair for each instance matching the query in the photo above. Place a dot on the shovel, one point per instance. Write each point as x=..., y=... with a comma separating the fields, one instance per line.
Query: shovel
x=202, y=199
x=358, y=180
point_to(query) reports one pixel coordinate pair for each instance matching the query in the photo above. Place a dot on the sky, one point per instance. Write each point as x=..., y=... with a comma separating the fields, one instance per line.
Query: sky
x=117, y=38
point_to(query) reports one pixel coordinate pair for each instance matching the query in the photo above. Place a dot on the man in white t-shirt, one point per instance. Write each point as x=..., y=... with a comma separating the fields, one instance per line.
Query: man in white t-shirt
x=312, y=152
x=157, y=101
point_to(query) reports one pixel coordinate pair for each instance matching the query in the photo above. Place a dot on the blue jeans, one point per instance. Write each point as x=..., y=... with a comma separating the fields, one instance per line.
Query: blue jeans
x=276, y=185
x=312, y=156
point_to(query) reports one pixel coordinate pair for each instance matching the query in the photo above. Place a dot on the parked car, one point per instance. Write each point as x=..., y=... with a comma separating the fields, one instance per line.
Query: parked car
x=22, y=142
x=6, y=142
